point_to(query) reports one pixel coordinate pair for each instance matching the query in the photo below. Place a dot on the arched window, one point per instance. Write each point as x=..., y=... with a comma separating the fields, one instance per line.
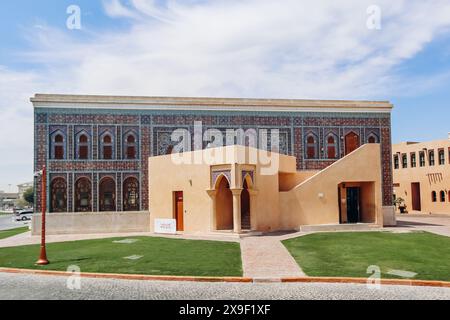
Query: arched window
x=442, y=196
x=449, y=196
x=131, y=195
x=130, y=146
x=312, y=147
x=351, y=142
x=107, y=195
x=58, y=146
x=372, y=138
x=106, y=146
x=82, y=146
x=58, y=195
x=332, y=146
x=434, y=196
x=83, y=195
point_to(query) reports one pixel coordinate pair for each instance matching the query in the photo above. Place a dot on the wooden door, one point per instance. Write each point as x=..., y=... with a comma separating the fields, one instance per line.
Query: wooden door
x=415, y=194
x=179, y=210
x=351, y=142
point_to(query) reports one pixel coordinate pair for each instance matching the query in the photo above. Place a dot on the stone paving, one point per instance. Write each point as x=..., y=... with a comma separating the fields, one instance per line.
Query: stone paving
x=266, y=257
x=25, y=287
x=438, y=224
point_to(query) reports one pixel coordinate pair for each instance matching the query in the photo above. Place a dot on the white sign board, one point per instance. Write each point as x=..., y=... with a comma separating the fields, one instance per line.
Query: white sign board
x=166, y=226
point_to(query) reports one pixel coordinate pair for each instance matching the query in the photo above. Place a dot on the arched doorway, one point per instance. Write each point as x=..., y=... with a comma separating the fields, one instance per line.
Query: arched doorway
x=58, y=195
x=131, y=195
x=107, y=195
x=83, y=195
x=224, y=205
x=245, y=207
x=351, y=142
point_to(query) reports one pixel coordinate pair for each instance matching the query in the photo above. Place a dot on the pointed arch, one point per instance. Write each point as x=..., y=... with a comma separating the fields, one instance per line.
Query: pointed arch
x=332, y=146
x=130, y=145
x=58, y=195
x=83, y=195
x=58, y=145
x=373, y=138
x=131, y=194
x=82, y=145
x=107, y=194
x=312, y=146
x=219, y=179
x=106, y=145
x=352, y=142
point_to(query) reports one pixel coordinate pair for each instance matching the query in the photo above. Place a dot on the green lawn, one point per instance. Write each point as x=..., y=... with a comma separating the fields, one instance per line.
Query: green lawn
x=349, y=254
x=9, y=233
x=161, y=256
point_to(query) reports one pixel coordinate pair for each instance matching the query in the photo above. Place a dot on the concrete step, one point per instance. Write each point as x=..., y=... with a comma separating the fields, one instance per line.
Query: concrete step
x=339, y=227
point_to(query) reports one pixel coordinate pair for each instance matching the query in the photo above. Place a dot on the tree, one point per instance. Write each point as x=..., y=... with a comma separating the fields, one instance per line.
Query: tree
x=28, y=196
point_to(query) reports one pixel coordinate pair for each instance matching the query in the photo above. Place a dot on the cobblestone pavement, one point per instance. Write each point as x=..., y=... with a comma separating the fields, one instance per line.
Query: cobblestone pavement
x=15, y=286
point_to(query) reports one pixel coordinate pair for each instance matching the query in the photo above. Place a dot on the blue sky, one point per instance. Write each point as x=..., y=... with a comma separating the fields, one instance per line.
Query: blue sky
x=248, y=48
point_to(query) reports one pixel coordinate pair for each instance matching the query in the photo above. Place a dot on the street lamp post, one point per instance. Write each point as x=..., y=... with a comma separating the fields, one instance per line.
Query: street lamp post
x=43, y=255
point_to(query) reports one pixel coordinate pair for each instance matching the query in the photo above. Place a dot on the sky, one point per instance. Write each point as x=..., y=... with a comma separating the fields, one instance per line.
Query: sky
x=322, y=49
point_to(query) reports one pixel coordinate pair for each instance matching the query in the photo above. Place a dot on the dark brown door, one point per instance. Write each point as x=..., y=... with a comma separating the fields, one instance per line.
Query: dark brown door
x=351, y=142
x=179, y=211
x=415, y=195
x=353, y=205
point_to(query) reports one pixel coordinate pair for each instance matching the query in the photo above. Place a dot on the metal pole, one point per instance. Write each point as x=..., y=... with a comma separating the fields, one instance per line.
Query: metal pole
x=43, y=256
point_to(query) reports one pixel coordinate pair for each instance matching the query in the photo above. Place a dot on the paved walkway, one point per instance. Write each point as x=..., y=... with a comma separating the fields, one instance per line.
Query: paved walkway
x=438, y=224
x=23, y=287
x=266, y=257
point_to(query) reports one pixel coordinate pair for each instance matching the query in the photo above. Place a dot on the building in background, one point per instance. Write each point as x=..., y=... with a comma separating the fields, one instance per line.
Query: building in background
x=23, y=188
x=422, y=175
x=97, y=148
x=8, y=201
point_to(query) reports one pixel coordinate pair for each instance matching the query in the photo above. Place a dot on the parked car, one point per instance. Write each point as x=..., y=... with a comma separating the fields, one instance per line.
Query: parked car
x=24, y=215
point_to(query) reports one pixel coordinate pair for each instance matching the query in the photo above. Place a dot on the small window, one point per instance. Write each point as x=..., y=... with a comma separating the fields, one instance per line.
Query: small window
x=83, y=147
x=106, y=147
x=332, y=147
x=130, y=147
x=431, y=159
x=422, y=159
x=442, y=196
x=58, y=147
x=434, y=196
x=441, y=157
x=396, y=162
x=311, y=147
x=413, y=160
x=404, y=161
x=372, y=138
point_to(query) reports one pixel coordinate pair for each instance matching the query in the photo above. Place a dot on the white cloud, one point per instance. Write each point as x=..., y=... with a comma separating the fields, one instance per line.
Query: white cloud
x=251, y=48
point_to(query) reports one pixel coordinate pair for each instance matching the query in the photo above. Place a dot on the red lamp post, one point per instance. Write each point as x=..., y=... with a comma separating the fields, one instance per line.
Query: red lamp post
x=43, y=256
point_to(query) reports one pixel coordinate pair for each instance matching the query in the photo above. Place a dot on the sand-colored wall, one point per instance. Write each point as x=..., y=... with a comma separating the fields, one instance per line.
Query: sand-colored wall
x=92, y=222
x=288, y=181
x=431, y=178
x=315, y=201
x=271, y=210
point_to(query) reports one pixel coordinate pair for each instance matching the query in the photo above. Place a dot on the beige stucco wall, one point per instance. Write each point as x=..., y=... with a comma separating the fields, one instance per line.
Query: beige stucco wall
x=271, y=210
x=316, y=202
x=92, y=222
x=431, y=178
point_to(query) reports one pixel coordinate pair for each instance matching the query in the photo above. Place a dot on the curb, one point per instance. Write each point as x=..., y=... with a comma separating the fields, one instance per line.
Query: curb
x=396, y=282
x=126, y=276
x=336, y=280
